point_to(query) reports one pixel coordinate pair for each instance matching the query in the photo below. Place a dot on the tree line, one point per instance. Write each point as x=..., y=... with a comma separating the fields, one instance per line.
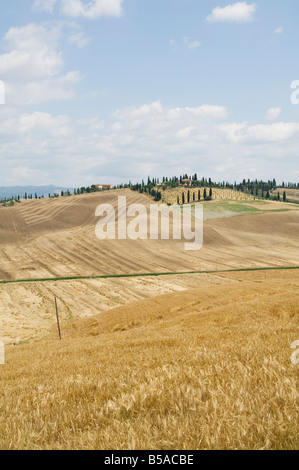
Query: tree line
x=155, y=187
x=257, y=188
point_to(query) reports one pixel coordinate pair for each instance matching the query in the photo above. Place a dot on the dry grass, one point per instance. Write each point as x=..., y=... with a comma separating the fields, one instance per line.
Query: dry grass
x=292, y=194
x=53, y=238
x=207, y=368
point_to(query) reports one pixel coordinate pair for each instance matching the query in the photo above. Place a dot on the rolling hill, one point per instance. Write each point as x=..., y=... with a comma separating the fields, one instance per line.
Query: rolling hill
x=56, y=237
x=206, y=368
x=173, y=361
x=292, y=194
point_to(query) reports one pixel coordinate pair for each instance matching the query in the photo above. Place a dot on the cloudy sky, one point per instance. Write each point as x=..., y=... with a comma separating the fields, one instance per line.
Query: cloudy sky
x=113, y=90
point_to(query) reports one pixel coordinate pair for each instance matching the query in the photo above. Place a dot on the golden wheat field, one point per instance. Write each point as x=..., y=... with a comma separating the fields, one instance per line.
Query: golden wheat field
x=199, y=369
x=190, y=361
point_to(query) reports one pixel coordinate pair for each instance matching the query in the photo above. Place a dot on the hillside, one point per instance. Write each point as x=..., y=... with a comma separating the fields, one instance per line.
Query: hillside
x=175, y=195
x=179, y=361
x=199, y=369
x=56, y=237
x=292, y=194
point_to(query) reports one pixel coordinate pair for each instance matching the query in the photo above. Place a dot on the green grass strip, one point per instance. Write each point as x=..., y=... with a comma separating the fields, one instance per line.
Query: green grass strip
x=118, y=276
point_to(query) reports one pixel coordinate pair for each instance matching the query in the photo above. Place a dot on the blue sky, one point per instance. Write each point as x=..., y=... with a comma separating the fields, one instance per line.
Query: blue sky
x=112, y=90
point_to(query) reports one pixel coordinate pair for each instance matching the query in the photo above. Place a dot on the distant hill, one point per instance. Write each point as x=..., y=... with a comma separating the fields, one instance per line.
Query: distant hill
x=13, y=191
x=292, y=194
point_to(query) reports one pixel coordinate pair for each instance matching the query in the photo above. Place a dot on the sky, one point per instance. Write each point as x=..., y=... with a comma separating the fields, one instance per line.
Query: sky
x=107, y=91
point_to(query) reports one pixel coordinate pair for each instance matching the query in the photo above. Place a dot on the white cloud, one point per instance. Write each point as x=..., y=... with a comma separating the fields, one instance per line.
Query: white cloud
x=244, y=132
x=279, y=30
x=156, y=111
x=32, y=53
x=209, y=111
x=78, y=8
x=186, y=132
x=54, y=126
x=79, y=39
x=33, y=66
x=240, y=12
x=44, y=5
x=191, y=44
x=273, y=113
x=40, y=123
x=44, y=90
x=140, y=140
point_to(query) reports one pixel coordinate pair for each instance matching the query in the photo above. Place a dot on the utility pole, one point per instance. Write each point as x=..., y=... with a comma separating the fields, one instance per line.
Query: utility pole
x=57, y=316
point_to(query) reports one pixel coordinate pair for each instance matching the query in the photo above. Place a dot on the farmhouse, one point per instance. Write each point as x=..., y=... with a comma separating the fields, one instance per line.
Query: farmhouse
x=187, y=182
x=104, y=186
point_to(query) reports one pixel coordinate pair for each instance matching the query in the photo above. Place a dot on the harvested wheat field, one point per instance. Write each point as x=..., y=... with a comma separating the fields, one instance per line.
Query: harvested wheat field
x=56, y=238
x=179, y=361
x=28, y=310
x=206, y=368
